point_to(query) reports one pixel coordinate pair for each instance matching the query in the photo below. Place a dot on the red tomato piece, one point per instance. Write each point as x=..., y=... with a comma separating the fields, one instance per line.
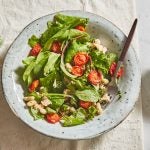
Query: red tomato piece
x=84, y=104
x=56, y=47
x=52, y=118
x=120, y=72
x=113, y=68
x=94, y=77
x=81, y=58
x=79, y=27
x=35, y=50
x=33, y=85
x=77, y=70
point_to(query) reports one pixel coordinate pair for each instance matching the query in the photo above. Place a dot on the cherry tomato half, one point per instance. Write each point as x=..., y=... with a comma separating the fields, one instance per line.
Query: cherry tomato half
x=84, y=104
x=33, y=85
x=79, y=27
x=94, y=77
x=35, y=50
x=77, y=70
x=120, y=72
x=52, y=118
x=81, y=58
x=113, y=68
x=56, y=47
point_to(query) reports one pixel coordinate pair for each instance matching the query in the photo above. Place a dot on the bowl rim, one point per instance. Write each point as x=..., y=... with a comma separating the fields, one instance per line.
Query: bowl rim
x=56, y=137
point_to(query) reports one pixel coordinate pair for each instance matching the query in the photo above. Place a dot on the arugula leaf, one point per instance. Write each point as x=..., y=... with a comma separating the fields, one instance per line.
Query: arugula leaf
x=35, y=113
x=89, y=95
x=33, y=41
x=53, y=57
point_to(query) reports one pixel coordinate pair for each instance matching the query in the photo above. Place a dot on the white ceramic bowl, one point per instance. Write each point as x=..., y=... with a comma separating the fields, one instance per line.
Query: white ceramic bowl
x=111, y=37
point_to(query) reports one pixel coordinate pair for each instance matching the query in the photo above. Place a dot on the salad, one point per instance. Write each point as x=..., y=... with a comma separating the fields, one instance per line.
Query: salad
x=67, y=73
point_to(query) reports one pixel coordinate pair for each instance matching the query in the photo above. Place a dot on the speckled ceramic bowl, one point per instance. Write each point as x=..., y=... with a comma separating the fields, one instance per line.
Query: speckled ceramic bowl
x=115, y=113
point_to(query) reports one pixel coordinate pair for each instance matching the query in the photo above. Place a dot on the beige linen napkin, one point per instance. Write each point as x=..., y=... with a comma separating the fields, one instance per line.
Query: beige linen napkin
x=14, y=134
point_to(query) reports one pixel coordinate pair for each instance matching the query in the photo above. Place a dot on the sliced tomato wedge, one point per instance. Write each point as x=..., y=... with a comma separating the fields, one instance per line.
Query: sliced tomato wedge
x=34, y=85
x=52, y=118
x=35, y=50
x=81, y=58
x=113, y=68
x=77, y=70
x=94, y=77
x=56, y=47
x=79, y=27
x=84, y=104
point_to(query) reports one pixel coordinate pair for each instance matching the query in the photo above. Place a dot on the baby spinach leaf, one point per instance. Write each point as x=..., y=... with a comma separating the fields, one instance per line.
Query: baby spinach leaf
x=57, y=101
x=89, y=95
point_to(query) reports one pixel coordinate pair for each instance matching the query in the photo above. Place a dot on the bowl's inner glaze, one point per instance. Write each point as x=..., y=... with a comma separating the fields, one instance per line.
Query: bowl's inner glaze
x=113, y=39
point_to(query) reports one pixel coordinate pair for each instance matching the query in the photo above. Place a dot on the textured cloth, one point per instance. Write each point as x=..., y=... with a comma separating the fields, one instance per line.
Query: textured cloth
x=14, y=134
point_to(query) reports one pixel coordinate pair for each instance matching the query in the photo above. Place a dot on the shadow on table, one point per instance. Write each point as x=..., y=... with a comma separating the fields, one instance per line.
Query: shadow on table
x=145, y=93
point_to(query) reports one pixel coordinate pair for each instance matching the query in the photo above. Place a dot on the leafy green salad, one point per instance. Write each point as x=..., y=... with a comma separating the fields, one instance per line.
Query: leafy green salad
x=67, y=73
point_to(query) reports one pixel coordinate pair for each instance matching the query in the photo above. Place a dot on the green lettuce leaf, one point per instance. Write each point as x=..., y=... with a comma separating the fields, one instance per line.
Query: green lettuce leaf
x=35, y=113
x=28, y=60
x=60, y=22
x=65, y=35
x=33, y=41
x=27, y=73
x=40, y=62
x=103, y=61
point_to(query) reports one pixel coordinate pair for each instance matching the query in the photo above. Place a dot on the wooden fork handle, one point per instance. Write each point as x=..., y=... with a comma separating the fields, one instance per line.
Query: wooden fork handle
x=128, y=41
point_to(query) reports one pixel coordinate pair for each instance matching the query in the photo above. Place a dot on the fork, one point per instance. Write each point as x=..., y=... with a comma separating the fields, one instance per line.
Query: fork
x=113, y=87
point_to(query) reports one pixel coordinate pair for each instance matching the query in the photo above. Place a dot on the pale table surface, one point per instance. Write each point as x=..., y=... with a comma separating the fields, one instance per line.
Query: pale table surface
x=143, y=10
